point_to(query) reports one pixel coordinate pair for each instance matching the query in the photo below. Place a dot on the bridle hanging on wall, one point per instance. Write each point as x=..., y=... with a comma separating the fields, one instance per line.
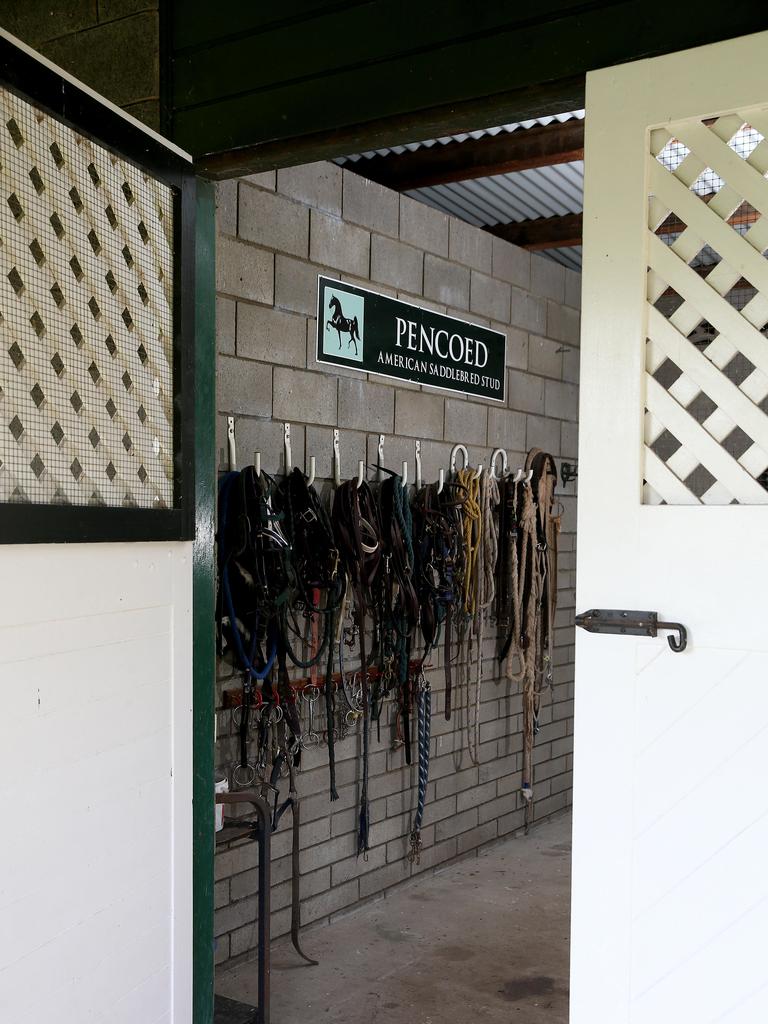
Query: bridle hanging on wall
x=353, y=587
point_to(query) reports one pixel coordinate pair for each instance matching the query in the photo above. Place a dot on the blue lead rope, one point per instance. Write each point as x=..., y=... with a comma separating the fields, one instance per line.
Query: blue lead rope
x=424, y=717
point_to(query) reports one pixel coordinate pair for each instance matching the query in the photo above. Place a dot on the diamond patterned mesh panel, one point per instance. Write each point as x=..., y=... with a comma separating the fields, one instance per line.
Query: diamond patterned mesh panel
x=86, y=320
x=706, y=429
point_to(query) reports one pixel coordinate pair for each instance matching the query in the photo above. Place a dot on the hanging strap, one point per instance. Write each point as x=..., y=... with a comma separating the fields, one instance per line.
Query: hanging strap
x=470, y=535
x=539, y=589
x=522, y=561
x=447, y=657
x=485, y=591
x=358, y=536
x=296, y=867
x=330, y=711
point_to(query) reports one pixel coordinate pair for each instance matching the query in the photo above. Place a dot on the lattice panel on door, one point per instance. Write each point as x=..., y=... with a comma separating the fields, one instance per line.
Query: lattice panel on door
x=86, y=320
x=706, y=422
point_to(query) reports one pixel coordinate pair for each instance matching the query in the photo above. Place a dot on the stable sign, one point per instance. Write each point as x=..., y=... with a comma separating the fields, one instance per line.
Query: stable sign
x=373, y=333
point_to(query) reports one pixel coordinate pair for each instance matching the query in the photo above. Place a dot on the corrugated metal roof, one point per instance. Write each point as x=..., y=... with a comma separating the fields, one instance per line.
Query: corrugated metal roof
x=570, y=257
x=522, y=195
x=548, y=191
x=570, y=115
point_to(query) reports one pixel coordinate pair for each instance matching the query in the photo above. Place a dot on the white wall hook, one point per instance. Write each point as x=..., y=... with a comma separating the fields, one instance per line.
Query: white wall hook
x=454, y=452
x=404, y=475
x=518, y=476
x=379, y=456
x=287, y=448
x=312, y=469
x=418, y=466
x=232, y=449
x=479, y=472
x=336, y=459
x=257, y=463
x=498, y=452
x=360, y=473
x=440, y=481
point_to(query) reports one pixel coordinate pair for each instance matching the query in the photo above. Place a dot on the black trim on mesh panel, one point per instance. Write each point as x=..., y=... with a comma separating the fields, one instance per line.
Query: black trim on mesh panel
x=39, y=84
x=26, y=522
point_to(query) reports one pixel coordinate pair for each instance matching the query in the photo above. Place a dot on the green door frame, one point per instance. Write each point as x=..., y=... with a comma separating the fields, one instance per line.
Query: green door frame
x=203, y=664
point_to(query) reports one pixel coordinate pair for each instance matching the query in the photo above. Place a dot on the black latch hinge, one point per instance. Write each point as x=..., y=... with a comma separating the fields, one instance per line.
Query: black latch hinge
x=632, y=623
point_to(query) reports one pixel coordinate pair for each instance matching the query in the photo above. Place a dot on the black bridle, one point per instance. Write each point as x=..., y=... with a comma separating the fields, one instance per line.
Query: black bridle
x=357, y=529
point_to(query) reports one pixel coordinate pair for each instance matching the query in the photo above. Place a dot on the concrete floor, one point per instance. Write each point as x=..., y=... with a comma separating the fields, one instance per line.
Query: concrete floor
x=484, y=940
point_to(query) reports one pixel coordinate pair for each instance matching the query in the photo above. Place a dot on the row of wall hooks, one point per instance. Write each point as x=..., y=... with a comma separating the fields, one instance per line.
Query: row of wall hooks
x=521, y=475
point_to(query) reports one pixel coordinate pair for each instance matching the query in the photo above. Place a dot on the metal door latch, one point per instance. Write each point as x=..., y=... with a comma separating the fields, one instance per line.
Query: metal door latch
x=568, y=471
x=631, y=623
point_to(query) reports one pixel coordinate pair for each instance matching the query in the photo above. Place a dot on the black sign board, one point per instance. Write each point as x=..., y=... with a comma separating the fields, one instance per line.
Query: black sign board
x=373, y=333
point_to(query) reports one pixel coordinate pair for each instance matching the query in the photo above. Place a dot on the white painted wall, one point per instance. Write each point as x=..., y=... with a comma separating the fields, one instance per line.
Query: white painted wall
x=96, y=783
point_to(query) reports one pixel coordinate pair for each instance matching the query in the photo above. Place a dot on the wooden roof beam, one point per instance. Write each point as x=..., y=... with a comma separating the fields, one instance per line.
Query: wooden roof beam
x=544, y=145
x=543, y=232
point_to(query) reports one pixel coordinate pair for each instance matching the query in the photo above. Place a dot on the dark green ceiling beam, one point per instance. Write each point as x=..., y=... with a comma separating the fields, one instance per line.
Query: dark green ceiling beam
x=393, y=131
x=254, y=86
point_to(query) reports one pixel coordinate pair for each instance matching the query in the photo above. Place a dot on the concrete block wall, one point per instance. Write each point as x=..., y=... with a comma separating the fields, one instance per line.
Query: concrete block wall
x=111, y=45
x=277, y=231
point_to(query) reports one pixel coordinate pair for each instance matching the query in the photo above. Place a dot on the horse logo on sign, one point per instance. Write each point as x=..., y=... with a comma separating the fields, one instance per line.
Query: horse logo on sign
x=343, y=334
x=343, y=324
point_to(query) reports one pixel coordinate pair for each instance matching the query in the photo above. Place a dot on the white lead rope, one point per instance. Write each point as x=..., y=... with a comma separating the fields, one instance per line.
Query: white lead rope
x=485, y=593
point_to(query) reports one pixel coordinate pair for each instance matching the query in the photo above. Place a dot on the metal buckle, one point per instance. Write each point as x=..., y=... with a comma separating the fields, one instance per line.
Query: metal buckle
x=243, y=775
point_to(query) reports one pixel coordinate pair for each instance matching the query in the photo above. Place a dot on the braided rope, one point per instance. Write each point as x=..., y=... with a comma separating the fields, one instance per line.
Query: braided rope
x=489, y=503
x=467, y=598
x=526, y=658
x=485, y=589
x=514, y=587
x=470, y=530
x=424, y=716
x=330, y=710
x=423, y=766
x=402, y=510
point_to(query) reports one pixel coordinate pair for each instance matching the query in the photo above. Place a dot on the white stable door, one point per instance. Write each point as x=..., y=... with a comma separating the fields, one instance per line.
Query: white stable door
x=670, y=846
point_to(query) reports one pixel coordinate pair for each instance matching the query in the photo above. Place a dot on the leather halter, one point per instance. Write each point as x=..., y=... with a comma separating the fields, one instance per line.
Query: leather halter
x=439, y=562
x=357, y=529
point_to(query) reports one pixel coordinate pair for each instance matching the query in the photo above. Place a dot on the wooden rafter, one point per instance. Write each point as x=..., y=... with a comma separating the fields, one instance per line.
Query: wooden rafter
x=543, y=232
x=520, y=150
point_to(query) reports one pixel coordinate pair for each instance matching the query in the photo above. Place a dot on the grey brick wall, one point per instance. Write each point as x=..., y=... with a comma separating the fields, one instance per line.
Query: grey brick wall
x=277, y=231
x=111, y=45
